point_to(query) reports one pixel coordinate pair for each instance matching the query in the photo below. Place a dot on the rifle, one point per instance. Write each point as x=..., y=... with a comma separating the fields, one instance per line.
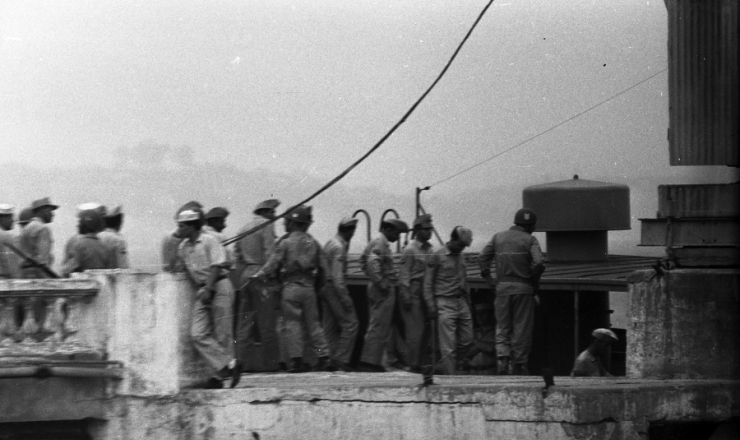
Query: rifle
x=44, y=268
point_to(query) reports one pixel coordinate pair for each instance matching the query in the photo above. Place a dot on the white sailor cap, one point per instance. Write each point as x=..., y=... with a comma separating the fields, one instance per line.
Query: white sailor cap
x=6, y=209
x=188, y=215
x=605, y=335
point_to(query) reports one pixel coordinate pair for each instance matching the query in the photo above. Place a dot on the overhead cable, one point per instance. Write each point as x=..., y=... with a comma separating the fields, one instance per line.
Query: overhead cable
x=546, y=131
x=375, y=147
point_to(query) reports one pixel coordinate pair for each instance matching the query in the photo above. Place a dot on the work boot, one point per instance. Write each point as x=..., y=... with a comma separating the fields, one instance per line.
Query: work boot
x=297, y=366
x=503, y=365
x=324, y=365
x=341, y=366
x=520, y=370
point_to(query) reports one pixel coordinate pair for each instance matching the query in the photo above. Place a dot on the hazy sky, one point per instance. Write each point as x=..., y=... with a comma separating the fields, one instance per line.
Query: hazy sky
x=306, y=87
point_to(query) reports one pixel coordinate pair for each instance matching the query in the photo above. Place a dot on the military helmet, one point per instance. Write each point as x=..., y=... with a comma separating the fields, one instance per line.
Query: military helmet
x=218, y=212
x=301, y=214
x=525, y=216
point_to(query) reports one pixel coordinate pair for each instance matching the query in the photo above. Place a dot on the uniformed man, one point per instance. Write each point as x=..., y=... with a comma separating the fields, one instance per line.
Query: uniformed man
x=298, y=257
x=447, y=299
x=36, y=239
x=112, y=238
x=251, y=253
x=378, y=264
x=588, y=363
x=211, y=330
x=340, y=318
x=411, y=293
x=171, y=241
x=519, y=265
x=85, y=250
x=482, y=355
x=8, y=260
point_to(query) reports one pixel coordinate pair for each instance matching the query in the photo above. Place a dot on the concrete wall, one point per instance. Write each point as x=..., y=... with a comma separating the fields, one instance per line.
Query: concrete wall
x=685, y=323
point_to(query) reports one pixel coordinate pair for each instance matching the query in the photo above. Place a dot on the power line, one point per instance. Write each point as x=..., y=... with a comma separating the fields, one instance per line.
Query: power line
x=548, y=130
x=376, y=146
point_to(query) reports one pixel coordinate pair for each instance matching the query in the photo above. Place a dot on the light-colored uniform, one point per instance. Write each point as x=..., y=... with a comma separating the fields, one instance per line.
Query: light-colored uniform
x=116, y=241
x=36, y=242
x=87, y=251
x=340, y=317
x=381, y=298
x=212, y=326
x=9, y=262
x=170, y=260
x=411, y=291
x=518, y=258
x=298, y=257
x=445, y=286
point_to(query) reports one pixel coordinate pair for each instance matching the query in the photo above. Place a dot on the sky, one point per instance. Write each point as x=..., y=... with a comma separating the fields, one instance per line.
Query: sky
x=303, y=88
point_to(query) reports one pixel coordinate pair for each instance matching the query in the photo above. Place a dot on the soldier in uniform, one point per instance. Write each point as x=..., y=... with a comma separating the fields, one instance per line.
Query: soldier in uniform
x=36, y=239
x=85, y=250
x=298, y=257
x=112, y=238
x=215, y=225
x=340, y=318
x=8, y=260
x=519, y=265
x=379, y=267
x=447, y=298
x=482, y=355
x=211, y=330
x=251, y=253
x=411, y=292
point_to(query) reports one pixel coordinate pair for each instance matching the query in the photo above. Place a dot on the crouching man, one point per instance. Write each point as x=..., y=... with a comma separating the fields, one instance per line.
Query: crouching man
x=211, y=330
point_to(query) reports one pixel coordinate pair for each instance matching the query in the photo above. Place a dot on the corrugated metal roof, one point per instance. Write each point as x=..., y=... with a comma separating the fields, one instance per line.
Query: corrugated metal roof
x=608, y=275
x=703, y=82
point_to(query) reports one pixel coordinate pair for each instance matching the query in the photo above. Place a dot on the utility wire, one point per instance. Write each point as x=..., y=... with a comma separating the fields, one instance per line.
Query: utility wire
x=375, y=147
x=548, y=130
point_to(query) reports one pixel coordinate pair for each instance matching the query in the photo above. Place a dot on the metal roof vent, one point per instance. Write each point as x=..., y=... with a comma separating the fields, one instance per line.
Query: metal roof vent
x=577, y=214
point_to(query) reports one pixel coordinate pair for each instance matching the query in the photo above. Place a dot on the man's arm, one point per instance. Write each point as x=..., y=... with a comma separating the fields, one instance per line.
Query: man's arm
x=484, y=260
x=43, y=247
x=404, y=277
x=430, y=276
x=374, y=267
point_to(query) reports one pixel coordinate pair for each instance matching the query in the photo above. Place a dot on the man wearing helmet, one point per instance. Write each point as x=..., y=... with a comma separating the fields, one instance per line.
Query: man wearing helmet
x=519, y=265
x=299, y=258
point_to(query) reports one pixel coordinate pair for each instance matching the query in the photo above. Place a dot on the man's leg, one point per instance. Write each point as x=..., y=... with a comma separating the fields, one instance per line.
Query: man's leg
x=222, y=311
x=204, y=340
x=523, y=324
x=293, y=321
x=503, y=332
x=380, y=305
x=446, y=323
x=311, y=318
x=414, y=321
x=464, y=331
x=343, y=325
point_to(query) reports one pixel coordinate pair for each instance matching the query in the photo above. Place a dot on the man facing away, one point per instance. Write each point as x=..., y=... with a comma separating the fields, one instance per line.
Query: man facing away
x=519, y=265
x=378, y=264
x=340, y=319
x=8, y=260
x=36, y=239
x=298, y=257
x=211, y=330
x=447, y=299
x=85, y=250
x=588, y=363
x=112, y=238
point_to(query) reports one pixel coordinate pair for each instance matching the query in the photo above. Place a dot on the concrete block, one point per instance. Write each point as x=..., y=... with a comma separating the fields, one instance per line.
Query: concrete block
x=684, y=324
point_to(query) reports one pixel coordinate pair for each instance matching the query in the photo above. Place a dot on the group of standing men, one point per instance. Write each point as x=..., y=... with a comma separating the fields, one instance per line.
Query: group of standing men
x=29, y=253
x=301, y=276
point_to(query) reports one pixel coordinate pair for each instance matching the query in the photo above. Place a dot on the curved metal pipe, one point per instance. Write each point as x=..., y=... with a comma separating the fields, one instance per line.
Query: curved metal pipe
x=367, y=217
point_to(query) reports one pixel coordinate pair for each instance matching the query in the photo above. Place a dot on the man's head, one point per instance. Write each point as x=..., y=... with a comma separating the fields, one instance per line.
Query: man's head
x=189, y=223
x=299, y=219
x=216, y=218
x=114, y=218
x=393, y=228
x=423, y=228
x=266, y=208
x=603, y=338
x=89, y=222
x=526, y=218
x=44, y=209
x=6, y=217
x=460, y=238
x=347, y=227
x=25, y=217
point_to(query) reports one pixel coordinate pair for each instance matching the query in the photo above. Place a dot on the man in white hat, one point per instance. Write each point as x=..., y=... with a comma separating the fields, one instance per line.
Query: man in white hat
x=211, y=331
x=588, y=363
x=8, y=260
x=447, y=299
x=340, y=318
x=250, y=253
x=113, y=239
x=377, y=262
x=171, y=241
x=299, y=259
x=36, y=239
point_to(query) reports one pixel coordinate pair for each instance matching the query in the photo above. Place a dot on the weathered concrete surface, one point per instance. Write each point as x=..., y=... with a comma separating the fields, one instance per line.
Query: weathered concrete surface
x=685, y=324
x=393, y=406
